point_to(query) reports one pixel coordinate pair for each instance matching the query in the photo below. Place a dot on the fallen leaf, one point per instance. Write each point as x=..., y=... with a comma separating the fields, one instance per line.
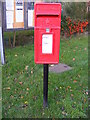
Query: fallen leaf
x=62, y=55
x=69, y=86
x=73, y=59
x=31, y=72
x=27, y=89
x=64, y=113
x=20, y=83
x=74, y=50
x=9, y=106
x=72, y=95
x=85, y=48
x=70, y=90
x=26, y=102
x=26, y=68
x=16, y=55
x=12, y=96
x=75, y=81
x=43, y=113
x=74, y=102
x=66, y=89
x=86, y=93
x=84, y=100
x=8, y=88
x=22, y=97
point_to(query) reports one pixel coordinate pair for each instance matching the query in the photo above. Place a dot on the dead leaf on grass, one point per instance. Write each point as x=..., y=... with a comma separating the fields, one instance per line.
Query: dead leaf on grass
x=70, y=90
x=8, y=88
x=9, y=107
x=74, y=50
x=26, y=68
x=64, y=113
x=16, y=55
x=31, y=72
x=73, y=59
x=26, y=102
x=72, y=95
x=20, y=83
x=85, y=49
x=31, y=83
x=11, y=96
x=84, y=100
x=27, y=89
x=75, y=81
x=69, y=86
x=22, y=97
x=86, y=93
x=76, y=47
x=60, y=87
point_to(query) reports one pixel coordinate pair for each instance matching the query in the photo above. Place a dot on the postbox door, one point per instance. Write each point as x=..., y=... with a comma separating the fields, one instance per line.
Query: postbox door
x=47, y=33
x=47, y=46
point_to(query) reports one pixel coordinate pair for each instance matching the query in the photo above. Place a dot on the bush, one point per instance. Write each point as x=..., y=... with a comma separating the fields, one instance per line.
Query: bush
x=70, y=26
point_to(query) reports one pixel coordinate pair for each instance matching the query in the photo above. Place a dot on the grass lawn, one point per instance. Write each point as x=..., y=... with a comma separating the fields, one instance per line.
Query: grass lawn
x=0, y=89
x=22, y=83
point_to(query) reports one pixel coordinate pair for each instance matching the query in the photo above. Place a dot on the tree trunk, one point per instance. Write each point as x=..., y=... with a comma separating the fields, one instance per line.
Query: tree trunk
x=14, y=39
x=10, y=44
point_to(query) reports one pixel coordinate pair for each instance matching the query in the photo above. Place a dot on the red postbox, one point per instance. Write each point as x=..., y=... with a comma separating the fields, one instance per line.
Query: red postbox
x=47, y=32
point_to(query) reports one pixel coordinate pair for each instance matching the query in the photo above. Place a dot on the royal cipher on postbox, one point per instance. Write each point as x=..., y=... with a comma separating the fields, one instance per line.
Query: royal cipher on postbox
x=47, y=33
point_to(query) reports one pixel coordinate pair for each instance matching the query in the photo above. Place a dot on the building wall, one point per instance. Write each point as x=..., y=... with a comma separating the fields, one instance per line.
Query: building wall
x=0, y=14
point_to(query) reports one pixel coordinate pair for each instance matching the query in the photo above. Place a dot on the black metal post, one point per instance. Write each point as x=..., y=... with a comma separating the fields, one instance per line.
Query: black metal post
x=45, y=85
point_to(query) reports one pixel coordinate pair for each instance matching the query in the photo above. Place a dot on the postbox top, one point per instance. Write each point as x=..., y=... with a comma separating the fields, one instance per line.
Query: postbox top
x=48, y=8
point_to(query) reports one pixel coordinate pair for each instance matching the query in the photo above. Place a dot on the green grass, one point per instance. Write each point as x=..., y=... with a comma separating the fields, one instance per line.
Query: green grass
x=67, y=92
x=0, y=89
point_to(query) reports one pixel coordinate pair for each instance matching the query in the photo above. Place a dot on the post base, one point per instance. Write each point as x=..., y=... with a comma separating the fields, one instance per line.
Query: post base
x=45, y=104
